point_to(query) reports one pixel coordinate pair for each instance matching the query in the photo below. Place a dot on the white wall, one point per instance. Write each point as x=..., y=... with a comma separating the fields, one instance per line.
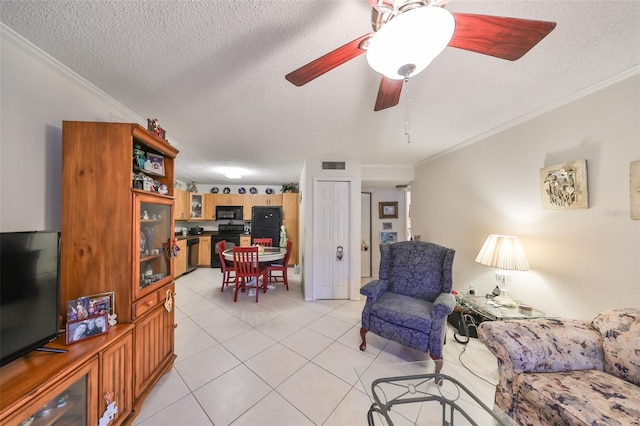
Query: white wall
x=582, y=261
x=398, y=225
x=37, y=94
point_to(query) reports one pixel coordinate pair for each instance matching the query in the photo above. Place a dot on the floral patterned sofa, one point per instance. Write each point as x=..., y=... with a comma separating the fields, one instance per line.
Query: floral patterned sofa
x=568, y=372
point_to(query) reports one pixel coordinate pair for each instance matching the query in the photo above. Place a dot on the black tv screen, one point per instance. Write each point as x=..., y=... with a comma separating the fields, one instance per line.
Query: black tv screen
x=29, y=291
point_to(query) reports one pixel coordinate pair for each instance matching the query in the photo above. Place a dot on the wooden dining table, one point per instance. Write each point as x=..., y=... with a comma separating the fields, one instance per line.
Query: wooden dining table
x=268, y=254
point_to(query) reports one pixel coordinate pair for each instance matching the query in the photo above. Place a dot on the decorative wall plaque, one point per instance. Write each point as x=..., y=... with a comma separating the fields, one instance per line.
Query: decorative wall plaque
x=564, y=186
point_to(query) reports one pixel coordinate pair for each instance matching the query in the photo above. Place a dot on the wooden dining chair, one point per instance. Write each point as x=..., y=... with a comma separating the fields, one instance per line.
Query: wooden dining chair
x=247, y=266
x=280, y=270
x=264, y=242
x=228, y=271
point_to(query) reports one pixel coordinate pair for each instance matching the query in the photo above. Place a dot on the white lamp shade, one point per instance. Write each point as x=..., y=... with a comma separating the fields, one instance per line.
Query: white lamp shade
x=504, y=252
x=414, y=37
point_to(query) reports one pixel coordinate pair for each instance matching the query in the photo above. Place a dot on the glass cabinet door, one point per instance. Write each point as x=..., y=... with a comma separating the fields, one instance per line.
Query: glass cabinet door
x=154, y=232
x=69, y=402
x=197, y=208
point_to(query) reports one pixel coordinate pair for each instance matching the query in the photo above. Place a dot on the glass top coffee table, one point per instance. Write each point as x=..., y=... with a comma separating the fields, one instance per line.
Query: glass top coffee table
x=487, y=309
x=412, y=394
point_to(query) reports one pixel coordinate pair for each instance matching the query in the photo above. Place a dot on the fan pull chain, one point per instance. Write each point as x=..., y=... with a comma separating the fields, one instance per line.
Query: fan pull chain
x=407, y=130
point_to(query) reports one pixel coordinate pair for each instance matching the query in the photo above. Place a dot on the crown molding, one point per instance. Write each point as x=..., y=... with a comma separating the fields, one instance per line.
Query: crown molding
x=526, y=117
x=8, y=35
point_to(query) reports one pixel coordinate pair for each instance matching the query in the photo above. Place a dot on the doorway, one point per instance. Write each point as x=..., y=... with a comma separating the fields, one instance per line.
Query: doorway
x=331, y=244
x=365, y=235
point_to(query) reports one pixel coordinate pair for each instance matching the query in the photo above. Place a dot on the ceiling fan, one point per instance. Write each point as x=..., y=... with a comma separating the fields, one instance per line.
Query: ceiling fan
x=408, y=34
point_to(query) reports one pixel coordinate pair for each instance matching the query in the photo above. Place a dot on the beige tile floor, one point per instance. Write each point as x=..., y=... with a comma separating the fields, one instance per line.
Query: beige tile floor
x=282, y=361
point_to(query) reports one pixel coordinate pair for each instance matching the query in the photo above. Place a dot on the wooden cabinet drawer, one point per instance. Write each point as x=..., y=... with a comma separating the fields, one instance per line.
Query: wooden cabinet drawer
x=145, y=304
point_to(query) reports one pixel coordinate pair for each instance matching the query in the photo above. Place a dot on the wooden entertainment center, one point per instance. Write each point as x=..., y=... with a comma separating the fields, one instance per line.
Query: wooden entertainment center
x=117, y=236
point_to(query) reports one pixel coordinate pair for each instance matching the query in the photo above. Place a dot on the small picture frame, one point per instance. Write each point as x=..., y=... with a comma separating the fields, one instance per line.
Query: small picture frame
x=388, y=237
x=154, y=163
x=388, y=210
x=387, y=226
x=77, y=309
x=91, y=306
x=86, y=328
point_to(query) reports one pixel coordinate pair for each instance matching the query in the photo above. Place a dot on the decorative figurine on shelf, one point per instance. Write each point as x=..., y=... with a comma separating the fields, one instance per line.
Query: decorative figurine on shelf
x=139, y=157
x=154, y=127
x=283, y=236
x=149, y=231
x=193, y=187
x=113, y=319
x=145, y=215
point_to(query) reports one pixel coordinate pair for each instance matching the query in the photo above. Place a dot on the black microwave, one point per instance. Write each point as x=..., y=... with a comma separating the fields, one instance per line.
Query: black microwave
x=229, y=213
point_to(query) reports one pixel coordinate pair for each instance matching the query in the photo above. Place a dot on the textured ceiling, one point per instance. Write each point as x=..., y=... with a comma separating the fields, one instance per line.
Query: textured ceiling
x=213, y=72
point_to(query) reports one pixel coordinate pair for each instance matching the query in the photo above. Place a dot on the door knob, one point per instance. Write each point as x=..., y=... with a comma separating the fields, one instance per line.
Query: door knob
x=339, y=253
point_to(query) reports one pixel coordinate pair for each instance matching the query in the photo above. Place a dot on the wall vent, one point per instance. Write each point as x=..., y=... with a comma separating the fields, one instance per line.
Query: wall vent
x=334, y=165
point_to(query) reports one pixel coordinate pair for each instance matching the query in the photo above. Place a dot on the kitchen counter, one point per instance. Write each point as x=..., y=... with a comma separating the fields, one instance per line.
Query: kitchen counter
x=179, y=236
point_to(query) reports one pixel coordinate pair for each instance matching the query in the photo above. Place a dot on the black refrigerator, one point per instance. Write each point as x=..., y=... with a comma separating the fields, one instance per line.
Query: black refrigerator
x=266, y=222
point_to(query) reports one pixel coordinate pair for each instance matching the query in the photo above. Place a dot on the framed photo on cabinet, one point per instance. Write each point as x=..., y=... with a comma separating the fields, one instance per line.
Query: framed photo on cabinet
x=83, y=329
x=388, y=210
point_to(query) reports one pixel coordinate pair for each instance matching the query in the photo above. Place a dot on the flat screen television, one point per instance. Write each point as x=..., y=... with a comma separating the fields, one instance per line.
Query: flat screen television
x=29, y=291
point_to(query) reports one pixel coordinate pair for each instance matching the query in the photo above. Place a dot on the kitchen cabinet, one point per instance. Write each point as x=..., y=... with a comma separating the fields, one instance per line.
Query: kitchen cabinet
x=267, y=200
x=182, y=211
x=180, y=261
x=290, y=222
x=204, y=255
x=251, y=200
x=118, y=235
x=70, y=387
x=196, y=205
x=210, y=202
x=228, y=199
x=247, y=207
x=290, y=206
x=213, y=200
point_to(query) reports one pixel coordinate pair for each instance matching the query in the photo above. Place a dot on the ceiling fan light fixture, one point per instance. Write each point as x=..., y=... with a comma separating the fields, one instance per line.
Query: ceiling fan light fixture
x=414, y=37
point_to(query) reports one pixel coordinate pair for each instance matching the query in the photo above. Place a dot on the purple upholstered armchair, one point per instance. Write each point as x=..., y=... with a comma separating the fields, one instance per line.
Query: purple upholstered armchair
x=411, y=300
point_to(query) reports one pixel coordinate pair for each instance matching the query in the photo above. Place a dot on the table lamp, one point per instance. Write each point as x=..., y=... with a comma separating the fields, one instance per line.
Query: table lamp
x=503, y=252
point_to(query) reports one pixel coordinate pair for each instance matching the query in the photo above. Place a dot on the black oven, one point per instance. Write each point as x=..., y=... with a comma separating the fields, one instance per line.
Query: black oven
x=229, y=233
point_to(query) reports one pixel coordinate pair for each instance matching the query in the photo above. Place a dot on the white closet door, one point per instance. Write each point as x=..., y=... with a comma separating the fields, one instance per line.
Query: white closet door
x=365, y=235
x=331, y=240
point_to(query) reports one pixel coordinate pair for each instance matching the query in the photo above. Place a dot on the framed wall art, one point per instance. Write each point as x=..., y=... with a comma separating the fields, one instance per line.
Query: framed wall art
x=388, y=237
x=564, y=186
x=388, y=210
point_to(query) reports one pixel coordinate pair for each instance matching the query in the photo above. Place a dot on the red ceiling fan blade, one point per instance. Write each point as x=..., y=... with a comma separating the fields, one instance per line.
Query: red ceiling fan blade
x=502, y=37
x=331, y=60
x=388, y=93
